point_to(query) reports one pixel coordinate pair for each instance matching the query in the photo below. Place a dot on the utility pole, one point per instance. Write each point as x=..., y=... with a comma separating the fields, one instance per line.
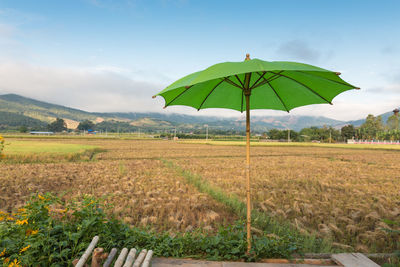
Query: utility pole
x=330, y=136
x=175, y=133
x=288, y=135
x=206, y=132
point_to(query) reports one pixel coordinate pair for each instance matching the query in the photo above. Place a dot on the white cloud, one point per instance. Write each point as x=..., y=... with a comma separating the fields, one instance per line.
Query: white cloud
x=92, y=89
x=299, y=49
x=111, y=88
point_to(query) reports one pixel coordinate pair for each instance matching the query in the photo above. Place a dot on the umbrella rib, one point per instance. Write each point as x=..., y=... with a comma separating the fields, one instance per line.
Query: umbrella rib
x=187, y=88
x=302, y=84
x=270, y=79
x=226, y=79
x=261, y=76
x=276, y=93
x=209, y=94
x=237, y=77
x=325, y=78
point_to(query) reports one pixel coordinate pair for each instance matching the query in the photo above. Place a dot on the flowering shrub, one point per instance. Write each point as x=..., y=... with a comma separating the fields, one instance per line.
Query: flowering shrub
x=45, y=232
x=48, y=232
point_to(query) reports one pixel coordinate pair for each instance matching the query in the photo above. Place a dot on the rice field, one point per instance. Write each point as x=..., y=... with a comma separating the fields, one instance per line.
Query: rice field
x=333, y=192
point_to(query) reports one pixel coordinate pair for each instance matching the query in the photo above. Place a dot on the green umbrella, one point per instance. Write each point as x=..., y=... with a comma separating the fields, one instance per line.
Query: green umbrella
x=255, y=84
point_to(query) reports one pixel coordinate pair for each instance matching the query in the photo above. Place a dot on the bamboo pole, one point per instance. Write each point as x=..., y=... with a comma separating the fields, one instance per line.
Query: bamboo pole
x=130, y=259
x=110, y=258
x=146, y=262
x=248, y=193
x=88, y=251
x=140, y=258
x=247, y=93
x=121, y=258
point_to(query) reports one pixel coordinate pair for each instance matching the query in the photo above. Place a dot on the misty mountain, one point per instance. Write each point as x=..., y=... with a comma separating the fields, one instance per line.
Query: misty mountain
x=33, y=112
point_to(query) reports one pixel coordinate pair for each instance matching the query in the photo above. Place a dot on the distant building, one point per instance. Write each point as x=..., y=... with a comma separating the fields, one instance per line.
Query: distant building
x=41, y=133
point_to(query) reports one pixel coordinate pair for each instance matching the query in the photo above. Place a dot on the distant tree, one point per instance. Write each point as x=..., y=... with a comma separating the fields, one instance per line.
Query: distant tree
x=309, y=134
x=275, y=134
x=23, y=129
x=85, y=125
x=58, y=125
x=348, y=131
x=324, y=134
x=372, y=125
x=393, y=123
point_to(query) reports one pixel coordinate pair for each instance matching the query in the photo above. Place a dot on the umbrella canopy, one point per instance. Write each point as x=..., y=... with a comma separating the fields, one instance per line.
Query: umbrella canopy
x=273, y=85
x=255, y=84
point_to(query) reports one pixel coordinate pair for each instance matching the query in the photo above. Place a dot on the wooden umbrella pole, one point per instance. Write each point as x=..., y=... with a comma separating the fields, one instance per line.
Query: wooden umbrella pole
x=248, y=172
x=247, y=93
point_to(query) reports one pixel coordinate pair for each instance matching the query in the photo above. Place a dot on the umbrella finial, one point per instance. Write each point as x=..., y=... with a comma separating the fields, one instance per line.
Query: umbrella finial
x=247, y=56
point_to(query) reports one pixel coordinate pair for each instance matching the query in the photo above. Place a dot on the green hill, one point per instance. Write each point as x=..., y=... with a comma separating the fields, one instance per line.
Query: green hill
x=14, y=121
x=18, y=110
x=39, y=110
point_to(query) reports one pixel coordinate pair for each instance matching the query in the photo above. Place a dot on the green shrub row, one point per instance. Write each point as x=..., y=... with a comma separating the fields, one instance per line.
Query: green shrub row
x=50, y=232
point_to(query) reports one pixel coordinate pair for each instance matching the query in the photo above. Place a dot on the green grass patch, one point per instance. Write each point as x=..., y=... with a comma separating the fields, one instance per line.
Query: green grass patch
x=261, y=220
x=22, y=147
x=109, y=136
x=17, y=151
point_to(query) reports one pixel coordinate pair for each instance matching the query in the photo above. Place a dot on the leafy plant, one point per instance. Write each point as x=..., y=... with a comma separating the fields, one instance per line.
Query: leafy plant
x=47, y=231
x=1, y=147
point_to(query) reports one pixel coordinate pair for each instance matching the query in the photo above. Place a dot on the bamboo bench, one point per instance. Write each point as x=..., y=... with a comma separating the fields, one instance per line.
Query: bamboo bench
x=124, y=259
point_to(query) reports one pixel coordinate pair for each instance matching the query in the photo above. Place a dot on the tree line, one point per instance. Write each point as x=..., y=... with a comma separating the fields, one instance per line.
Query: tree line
x=372, y=128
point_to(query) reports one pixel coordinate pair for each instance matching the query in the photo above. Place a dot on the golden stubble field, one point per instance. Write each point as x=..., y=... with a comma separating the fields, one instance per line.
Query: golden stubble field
x=339, y=193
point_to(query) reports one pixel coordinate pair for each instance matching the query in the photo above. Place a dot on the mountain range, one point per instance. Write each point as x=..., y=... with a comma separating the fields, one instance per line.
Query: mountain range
x=16, y=110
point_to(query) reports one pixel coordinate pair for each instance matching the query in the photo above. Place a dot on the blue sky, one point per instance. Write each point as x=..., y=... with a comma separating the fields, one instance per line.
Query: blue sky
x=103, y=55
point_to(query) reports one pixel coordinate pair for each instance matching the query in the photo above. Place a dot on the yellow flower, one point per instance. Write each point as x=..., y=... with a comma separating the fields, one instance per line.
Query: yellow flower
x=24, y=249
x=1, y=219
x=21, y=210
x=21, y=222
x=41, y=197
x=3, y=253
x=9, y=218
x=6, y=260
x=15, y=263
x=31, y=232
x=90, y=203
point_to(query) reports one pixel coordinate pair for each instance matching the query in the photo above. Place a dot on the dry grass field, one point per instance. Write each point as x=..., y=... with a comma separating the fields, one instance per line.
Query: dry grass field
x=143, y=191
x=342, y=194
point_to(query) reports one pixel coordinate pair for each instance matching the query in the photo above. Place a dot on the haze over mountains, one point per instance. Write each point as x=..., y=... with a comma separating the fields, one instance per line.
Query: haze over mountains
x=16, y=110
